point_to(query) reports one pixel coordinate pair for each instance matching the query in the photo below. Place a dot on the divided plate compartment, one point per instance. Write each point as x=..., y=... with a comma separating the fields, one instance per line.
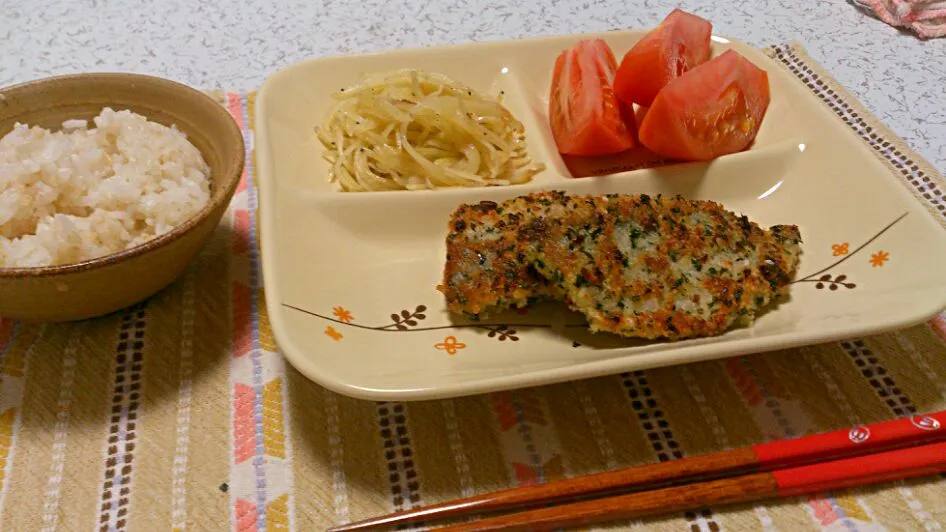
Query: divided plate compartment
x=351, y=277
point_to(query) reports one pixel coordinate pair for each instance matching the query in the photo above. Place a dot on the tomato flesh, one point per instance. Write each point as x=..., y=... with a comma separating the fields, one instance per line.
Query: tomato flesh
x=680, y=42
x=714, y=109
x=584, y=114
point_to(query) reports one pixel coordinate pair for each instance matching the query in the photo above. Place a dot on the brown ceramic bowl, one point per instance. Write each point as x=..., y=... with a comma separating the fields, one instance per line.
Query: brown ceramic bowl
x=104, y=285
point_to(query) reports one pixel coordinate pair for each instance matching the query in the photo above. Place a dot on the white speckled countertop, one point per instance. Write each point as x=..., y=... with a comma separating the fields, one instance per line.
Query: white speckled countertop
x=234, y=45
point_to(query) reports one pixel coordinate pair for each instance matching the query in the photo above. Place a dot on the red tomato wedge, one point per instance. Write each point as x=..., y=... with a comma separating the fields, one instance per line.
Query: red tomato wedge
x=680, y=42
x=714, y=109
x=584, y=114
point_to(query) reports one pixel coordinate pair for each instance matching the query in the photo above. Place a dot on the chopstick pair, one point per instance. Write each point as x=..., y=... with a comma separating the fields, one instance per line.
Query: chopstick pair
x=890, y=450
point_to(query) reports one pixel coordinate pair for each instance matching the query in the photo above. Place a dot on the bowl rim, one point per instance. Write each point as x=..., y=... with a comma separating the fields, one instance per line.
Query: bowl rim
x=178, y=231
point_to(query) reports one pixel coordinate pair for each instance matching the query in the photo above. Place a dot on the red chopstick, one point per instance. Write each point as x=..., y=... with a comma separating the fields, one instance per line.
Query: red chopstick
x=858, y=441
x=860, y=471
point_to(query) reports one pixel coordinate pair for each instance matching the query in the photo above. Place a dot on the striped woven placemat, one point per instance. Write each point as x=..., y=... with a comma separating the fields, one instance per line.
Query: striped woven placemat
x=180, y=413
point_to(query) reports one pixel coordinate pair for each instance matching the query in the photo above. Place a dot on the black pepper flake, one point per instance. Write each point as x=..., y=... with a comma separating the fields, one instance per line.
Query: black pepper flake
x=745, y=224
x=670, y=326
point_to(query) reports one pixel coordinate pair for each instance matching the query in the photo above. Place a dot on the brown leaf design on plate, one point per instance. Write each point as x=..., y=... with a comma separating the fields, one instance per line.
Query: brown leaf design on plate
x=503, y=332
x=833, y=284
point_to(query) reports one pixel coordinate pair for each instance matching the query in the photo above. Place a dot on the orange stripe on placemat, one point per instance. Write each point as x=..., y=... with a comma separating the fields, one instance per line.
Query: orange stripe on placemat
x=528, y=437
x=244, y=428
x=241, y=237
x=242, y=320
x=246, y=516
x=938, y=324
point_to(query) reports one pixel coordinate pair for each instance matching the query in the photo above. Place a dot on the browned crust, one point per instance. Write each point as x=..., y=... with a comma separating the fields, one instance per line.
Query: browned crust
x=597, y=286
x=487, y=275
x=552, y=245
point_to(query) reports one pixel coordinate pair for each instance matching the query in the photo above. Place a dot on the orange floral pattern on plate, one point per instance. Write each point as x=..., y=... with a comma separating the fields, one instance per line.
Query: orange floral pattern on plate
x=879, y=259
x=343, y=315
x=333, y=334
x=450, y=345
x=407, y=320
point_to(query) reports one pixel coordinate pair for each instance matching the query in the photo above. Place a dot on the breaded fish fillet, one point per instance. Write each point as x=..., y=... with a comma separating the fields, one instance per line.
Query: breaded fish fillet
x=660, y=267
x=486, y=270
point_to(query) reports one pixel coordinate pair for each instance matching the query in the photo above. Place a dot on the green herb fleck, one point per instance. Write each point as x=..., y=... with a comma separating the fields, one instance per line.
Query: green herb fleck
x=635, y=234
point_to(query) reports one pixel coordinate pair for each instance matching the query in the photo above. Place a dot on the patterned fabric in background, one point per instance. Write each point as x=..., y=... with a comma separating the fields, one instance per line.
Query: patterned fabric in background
x=180, y=413
x=926, y=18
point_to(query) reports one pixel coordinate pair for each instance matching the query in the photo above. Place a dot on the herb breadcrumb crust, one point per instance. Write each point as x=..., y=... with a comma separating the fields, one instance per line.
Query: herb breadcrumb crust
x=635, y=265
